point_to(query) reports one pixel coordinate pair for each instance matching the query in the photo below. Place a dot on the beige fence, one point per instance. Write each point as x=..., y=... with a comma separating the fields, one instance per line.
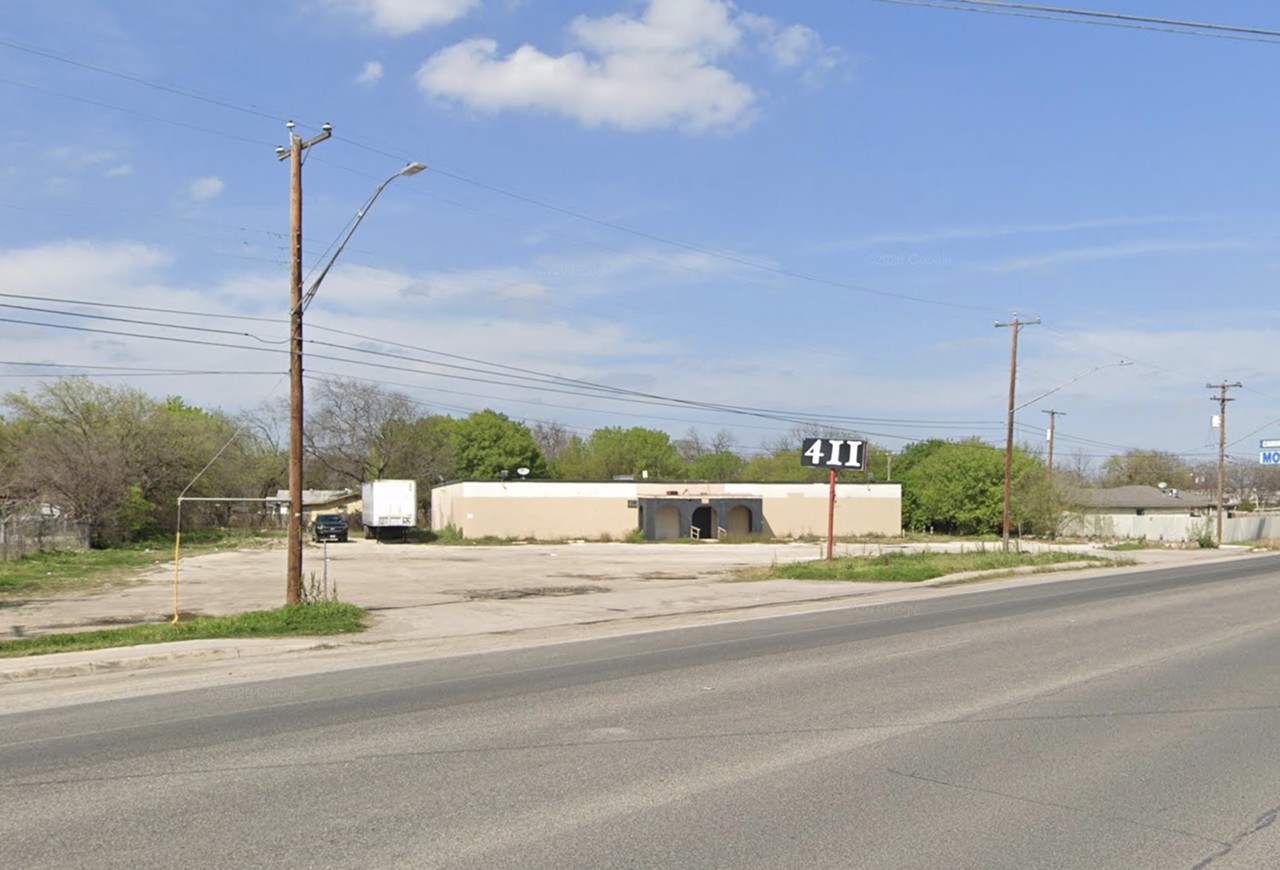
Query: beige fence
x=22, y=536
x=1173, y=527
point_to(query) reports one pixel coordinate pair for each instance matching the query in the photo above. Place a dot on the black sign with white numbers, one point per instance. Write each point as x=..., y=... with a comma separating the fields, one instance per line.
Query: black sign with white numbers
x=836, y=453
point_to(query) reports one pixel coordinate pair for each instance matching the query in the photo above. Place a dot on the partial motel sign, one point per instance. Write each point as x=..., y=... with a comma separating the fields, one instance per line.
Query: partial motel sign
x=1270, y=454
x=834, y=453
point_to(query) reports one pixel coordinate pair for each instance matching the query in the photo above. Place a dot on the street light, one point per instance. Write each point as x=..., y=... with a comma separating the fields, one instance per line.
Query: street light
x=1123, y=362
x=411, y=169
x=297, y=304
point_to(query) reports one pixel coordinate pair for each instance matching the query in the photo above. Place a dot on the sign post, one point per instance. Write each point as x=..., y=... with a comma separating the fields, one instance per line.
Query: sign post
x=833, y=454
x=831, y=516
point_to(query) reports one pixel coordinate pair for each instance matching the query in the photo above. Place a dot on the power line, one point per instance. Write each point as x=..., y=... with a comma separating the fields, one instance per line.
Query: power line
x=541, y=203
x=204, y=329
x=117, y=305
x=698, y=249
x=508, y=376
x=185, y=340
x=214, y=131
x=1100, y=19
x=138, y=80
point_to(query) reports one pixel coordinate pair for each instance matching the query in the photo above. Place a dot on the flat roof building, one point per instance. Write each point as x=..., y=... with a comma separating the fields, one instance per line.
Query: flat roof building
x=558, y=510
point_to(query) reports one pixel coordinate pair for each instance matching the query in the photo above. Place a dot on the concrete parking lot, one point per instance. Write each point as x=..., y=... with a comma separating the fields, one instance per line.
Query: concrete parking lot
x=442, y=600
x=387, y=578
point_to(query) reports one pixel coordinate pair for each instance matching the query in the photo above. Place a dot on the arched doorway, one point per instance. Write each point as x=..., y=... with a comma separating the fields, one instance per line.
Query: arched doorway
x=739, y=521
x=703, y=524
x=666, y=525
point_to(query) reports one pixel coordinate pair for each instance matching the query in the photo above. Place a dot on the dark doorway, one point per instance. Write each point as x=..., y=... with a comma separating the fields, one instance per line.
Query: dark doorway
x=703, y=524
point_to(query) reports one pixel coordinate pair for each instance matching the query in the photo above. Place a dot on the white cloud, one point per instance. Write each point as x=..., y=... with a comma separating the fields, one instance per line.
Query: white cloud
x=547, y=281
x=794, y=47
x=121, y=171
x=371, y=73
x=658, y=69
x=63, y=267
x=402, y=17
x=992, y=231
x=1110, y=252
x=206, y=188
x=76, y=158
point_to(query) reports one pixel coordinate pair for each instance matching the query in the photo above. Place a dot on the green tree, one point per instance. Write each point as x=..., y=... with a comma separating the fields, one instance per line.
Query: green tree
x=422, y=450
x=781, y=462
x=616, y=452
x=1147, y=468
x=958, y=487
x=114, y=456
x=719, y=466
x=487, y=443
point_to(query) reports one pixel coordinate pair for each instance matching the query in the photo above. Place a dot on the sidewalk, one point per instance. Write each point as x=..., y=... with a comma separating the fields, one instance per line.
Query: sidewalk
x=437, y=601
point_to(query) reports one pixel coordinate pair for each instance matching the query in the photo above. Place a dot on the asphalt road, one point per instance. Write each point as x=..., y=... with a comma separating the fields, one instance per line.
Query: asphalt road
x=1128, y=721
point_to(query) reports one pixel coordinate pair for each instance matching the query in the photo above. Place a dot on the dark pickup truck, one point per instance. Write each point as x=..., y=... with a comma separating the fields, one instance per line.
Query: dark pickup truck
x=329, y=527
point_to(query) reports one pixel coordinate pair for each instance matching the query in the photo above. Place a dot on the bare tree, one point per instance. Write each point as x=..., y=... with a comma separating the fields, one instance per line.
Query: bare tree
x=691, y=446
x=1075, y=468
x=348, y=431
x=552, y=439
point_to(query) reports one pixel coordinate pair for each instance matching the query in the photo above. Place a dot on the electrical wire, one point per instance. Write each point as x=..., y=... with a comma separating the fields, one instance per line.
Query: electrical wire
x=281, y=321
x=137, y=80
x=1100, y=19
x=499, y=374
x=106, y=317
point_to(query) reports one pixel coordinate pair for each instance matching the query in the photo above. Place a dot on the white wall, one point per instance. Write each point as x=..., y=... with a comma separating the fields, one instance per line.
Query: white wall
x=1172, y=527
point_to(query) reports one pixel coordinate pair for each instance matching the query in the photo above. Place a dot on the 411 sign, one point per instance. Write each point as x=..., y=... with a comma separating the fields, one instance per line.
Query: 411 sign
x=834, y=453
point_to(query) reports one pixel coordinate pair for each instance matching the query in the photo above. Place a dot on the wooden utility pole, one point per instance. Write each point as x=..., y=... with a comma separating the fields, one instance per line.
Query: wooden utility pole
x=1052, y=415
x=293, y=571
x=1016, y=326
x=1222, y=400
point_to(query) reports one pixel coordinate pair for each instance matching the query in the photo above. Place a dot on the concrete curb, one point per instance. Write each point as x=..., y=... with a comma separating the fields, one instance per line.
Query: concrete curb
x=80, y=664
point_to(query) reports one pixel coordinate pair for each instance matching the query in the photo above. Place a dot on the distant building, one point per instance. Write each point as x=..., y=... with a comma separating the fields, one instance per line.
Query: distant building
x=558, y=510
x=318, y=501
x=1137, y=512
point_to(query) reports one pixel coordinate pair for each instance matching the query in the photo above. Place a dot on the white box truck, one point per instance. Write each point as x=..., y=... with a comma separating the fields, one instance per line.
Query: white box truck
x=389, y=509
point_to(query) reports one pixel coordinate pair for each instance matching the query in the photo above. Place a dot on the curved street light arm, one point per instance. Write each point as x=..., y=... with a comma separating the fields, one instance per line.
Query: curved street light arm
x=411, y=169
x=1122, y=362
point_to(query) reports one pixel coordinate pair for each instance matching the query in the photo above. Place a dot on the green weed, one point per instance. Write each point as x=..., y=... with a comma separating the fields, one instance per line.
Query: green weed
x=321, y=618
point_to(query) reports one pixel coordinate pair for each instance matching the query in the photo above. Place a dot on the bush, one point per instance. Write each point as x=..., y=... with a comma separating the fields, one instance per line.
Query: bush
x=1205, y=538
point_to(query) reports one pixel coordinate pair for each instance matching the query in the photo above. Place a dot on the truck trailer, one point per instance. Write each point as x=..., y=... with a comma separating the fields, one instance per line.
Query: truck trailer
x=390, y=508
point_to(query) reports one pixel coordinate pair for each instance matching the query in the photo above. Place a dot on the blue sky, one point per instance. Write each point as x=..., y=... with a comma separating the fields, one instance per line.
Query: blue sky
x=811, y=209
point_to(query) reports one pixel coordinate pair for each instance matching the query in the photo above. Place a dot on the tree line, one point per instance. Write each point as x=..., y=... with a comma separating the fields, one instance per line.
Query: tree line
x=119, y=458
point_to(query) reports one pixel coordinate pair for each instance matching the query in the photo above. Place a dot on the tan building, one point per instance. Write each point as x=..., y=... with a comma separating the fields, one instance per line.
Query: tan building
x=556, y=510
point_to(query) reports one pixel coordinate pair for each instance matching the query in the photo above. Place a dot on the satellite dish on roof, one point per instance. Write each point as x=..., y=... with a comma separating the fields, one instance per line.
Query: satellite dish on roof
x=522, y=471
